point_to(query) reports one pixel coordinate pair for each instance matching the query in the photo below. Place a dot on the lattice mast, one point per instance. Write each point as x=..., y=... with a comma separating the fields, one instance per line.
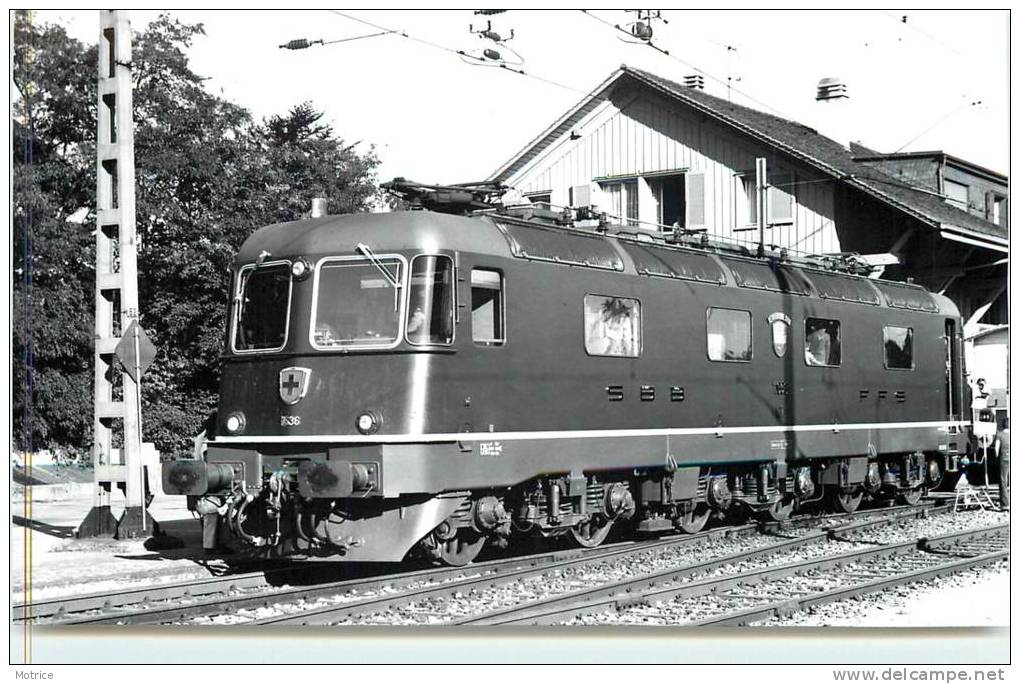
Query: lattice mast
x=116, y=291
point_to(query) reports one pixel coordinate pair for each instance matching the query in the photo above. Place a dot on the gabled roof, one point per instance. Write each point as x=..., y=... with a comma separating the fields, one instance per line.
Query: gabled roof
x=862, y=154
x=797, y=140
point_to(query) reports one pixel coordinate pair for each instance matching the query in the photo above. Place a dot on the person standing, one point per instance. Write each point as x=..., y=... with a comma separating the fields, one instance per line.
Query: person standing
x=1002, y=448
x=211, y=509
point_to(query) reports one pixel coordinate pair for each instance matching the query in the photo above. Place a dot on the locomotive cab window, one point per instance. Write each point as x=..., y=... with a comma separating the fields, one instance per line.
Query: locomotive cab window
x=356, y=304
x=822, y=342
x=262, y=308
x=430, y=301
x=612, y=326
x=899, y=347
x=729, y=334
x=487, y=315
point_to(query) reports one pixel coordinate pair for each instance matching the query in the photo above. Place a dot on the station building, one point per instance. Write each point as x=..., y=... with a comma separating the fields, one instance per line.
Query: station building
x=657, y=154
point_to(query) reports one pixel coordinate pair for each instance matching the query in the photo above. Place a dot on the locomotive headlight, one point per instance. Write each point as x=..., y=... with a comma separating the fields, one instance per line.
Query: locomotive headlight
x=300, y=269
x=235, y=422
x=367, y=423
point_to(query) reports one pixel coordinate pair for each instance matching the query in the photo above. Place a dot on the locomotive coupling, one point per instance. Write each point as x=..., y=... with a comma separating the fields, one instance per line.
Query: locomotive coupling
x=197, y=477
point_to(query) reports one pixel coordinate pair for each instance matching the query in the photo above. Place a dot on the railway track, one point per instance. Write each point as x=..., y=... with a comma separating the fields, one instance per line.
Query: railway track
x=434, y=603
x=737, y=595
x=254, y=591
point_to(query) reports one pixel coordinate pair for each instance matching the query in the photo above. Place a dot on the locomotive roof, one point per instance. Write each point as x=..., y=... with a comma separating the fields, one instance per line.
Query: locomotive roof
x=398, y=230
x=427, y=230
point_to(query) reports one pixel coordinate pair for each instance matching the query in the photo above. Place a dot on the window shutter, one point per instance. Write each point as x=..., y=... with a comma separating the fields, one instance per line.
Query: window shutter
x=694, y=189
x=780, y=203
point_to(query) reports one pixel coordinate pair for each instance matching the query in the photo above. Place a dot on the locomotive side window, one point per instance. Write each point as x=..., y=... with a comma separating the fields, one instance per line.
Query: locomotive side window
x=729, y=334
x=899, y=347
x=822, y=342
x=612, y=326
x=487, y=317
x=430, y=301
x=262, y=308
x=355, y=303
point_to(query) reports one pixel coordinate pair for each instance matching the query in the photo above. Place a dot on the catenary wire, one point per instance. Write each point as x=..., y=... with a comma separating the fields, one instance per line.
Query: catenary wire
x=687, y=64
x=459, y=53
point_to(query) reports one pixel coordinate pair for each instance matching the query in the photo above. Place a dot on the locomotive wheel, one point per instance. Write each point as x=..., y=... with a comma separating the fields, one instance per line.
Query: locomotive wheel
x=780, y=510
x=911, y=496
x=590, y=534
x=462, y=549
x=693, y=521
x=846, y=502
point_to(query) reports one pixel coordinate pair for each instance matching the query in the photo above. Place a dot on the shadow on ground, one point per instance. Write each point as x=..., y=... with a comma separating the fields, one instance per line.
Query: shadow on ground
x=61, y=531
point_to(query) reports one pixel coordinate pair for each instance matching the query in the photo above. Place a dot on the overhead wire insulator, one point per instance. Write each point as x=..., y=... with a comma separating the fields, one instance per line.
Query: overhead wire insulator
x=300, y=44
x=641, y=30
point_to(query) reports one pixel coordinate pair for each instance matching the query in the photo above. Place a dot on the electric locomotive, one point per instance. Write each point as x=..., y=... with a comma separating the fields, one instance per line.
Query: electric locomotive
x=428, y=382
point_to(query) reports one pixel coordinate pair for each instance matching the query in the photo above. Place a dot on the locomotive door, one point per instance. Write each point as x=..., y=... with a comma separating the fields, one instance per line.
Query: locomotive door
x=954, y=372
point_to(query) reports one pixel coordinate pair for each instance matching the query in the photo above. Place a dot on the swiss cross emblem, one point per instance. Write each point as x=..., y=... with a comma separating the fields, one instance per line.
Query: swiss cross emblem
x=293, y=384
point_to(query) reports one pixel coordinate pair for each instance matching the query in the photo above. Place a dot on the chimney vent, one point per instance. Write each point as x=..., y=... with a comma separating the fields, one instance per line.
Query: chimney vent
x=695, y=81
x=318, y=207
x=831, y=88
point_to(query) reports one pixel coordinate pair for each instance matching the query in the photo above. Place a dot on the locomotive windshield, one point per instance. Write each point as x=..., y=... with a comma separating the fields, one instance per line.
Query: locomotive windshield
x=356, y=305
x=262, y=308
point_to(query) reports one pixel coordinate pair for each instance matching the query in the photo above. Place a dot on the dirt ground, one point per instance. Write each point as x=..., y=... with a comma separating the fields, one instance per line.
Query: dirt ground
x=48, y=559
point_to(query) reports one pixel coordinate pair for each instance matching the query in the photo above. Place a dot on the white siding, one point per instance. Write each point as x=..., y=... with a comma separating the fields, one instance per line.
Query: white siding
x=652, y=135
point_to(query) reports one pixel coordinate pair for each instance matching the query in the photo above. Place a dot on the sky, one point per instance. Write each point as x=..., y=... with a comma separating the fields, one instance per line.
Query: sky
x=913, y=84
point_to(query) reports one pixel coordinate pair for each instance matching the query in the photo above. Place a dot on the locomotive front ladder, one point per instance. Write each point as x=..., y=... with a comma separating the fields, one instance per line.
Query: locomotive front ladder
x=116, y=393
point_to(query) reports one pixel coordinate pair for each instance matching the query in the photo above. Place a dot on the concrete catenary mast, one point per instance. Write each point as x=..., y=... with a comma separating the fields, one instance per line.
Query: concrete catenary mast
x=116, y=322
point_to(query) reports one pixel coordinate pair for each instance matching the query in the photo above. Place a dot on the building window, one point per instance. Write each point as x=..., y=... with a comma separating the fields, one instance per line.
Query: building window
x=996, y=205
x=623, y=202
x=746, y=194
x=956, y=193
x=780, y=199
x=899, y=347
x=822, y=342
x=729, y=335
x=612, y=326
x=487, y=313
x=670, y=195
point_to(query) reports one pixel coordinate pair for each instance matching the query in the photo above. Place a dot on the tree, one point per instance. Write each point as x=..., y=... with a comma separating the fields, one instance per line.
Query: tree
x=207, y=176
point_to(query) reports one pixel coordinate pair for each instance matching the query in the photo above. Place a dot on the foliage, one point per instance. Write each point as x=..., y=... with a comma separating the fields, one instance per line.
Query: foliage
x=207, y=176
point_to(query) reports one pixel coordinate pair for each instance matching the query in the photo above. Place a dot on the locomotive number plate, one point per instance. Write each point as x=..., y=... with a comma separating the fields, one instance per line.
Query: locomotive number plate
x=288, y=421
